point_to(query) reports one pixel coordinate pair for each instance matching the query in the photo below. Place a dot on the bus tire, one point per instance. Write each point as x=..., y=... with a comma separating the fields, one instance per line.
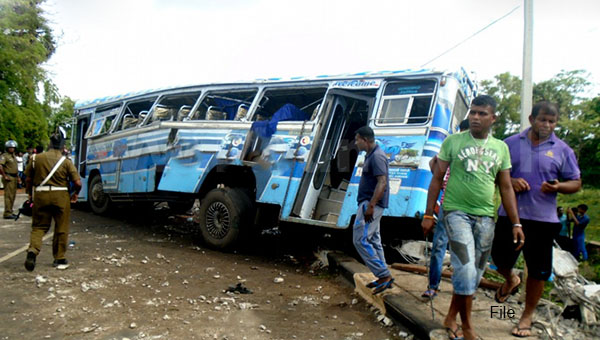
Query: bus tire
x=97, y=198
x=224, y=214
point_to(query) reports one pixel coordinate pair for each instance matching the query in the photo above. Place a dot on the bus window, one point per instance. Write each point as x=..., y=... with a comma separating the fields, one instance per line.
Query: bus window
x=135, y=113
x=103, y=120
x=460, y=108
x=294, y=101
x=225, y=105
x=406, y=103
x=174, y=107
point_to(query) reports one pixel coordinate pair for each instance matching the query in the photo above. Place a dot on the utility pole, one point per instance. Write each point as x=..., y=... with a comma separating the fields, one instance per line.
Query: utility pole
x=527, y=85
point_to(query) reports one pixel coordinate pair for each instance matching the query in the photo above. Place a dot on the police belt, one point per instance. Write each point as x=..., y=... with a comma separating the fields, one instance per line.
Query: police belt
x=50, y=188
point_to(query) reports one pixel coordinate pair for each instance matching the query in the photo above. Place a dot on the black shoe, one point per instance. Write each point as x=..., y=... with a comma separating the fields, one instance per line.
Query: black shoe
x=61, y=264
x=10, y=217
x=30, y=261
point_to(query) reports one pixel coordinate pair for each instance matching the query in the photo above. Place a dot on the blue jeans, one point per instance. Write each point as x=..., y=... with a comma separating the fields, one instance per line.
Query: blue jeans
x=367, y=240
x=579, y=246
x=470, y=239
x=438, y=251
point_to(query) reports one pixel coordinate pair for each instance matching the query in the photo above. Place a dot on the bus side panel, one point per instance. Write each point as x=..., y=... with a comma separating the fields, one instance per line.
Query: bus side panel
x=196, y=152
x=404, y=156
x=272, y=182
x=187, y=174
x=149, y=153
x=277, y=184
x=109, y=172
x=137, y=174
x=83, y=194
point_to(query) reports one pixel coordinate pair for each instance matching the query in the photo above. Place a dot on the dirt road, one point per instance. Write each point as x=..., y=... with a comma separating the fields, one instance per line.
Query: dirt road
x=139, y=275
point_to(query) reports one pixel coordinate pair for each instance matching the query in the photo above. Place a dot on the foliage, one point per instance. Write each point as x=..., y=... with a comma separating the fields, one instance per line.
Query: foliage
x=506, y=89
x=27, y=96
x=590, y=196
x=579, y=122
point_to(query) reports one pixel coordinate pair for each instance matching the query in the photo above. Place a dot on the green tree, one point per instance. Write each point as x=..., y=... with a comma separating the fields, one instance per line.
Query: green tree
x=26, y=42
x=579, y=122
x=506, y=89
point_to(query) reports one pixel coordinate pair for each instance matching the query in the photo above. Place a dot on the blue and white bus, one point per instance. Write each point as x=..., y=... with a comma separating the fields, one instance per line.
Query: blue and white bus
x=282, y=147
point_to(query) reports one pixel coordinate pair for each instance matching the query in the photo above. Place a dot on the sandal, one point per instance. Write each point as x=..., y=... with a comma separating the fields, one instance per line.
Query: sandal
x=383, y=286
x=515, y=332
x=452, y=333
x=501, y=298
x=429, y=293
x=372, y=284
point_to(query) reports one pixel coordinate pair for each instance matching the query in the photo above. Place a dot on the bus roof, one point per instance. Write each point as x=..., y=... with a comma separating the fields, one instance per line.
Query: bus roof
x=359, y=75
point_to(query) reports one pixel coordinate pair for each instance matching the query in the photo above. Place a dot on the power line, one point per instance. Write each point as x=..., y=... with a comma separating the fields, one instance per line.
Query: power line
x=472, y=35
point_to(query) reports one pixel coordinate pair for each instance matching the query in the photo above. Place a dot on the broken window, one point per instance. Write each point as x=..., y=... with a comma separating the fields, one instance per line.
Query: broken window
x=406, y=102
x=460, y=108
x=135, y=113
x=225, y=105
x=103, y=119
x=174, y=107
x=294, y=103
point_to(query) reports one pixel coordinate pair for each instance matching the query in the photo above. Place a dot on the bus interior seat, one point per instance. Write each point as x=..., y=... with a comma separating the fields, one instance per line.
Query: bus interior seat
x=262, y=115
x=184, y=111
x=162, y=113
x=242, y=111
x=315, y=112
x=129, y=121
x=214, y=113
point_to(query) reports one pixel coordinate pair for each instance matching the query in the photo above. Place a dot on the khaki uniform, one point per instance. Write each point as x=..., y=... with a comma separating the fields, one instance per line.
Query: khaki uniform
x=9, y=163
x=51, y=204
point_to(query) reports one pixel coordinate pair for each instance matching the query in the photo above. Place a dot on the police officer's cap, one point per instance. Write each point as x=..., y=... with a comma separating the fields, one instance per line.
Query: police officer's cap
x=10, y=144
x=57, y=139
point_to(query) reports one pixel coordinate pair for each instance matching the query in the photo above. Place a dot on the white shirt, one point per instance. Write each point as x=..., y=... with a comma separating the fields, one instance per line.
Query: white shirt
x=19, y=163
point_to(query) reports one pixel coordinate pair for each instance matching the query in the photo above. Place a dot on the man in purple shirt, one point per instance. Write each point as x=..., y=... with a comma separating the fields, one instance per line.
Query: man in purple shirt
x=542, y=166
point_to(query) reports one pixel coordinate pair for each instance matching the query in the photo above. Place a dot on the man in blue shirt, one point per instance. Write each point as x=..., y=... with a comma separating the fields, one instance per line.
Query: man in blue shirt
x=373, y=197
x=580, y=221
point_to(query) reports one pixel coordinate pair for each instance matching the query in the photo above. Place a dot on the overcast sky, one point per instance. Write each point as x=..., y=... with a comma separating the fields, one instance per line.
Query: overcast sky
x=109, y=47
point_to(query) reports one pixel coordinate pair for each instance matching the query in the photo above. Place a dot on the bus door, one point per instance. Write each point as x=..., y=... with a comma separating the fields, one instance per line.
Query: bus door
x=80, y=145
x=333, y=125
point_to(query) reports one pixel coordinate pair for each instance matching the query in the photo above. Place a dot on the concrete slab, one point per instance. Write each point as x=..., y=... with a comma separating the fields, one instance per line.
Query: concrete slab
x=404, y=304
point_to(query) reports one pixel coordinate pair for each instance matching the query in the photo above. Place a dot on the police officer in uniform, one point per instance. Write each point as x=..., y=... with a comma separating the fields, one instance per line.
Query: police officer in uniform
x=51, y=201
x=10, y=179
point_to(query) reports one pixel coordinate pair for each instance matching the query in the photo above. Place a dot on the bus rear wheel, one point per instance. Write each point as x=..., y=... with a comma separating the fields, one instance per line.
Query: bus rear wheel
x=224, y=214
x=98, y=199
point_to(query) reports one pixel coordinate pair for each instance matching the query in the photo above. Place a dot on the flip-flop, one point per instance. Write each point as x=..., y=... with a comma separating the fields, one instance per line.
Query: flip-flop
x=372, y=284
x=501, y=298
x=452, y=334
x=518, y=330
x=429, y=293
x=383, y=286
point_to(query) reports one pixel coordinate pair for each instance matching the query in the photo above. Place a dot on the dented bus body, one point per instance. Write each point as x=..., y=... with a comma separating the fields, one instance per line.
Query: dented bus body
x=279, y=146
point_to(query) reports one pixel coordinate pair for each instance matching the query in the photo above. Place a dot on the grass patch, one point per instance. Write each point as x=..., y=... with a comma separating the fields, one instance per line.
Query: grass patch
x=591, y=197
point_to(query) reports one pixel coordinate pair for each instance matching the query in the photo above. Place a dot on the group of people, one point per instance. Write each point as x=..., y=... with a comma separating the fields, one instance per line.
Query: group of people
x=573, y=240
x=48, y=177
x=528, y=169
x=12, y=170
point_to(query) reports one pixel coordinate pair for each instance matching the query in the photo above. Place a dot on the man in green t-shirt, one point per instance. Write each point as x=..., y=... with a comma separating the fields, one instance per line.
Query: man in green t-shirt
x=477, y=162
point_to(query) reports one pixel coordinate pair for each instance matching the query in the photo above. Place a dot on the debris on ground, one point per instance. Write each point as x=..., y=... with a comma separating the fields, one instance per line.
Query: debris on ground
x=238, y=289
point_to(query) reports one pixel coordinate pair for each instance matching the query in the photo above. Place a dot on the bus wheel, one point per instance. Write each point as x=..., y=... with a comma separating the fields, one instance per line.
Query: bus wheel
x=98, y=199
x=223, y=215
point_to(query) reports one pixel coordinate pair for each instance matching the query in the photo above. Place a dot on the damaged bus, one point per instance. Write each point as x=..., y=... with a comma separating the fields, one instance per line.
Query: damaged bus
x=281, y=148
